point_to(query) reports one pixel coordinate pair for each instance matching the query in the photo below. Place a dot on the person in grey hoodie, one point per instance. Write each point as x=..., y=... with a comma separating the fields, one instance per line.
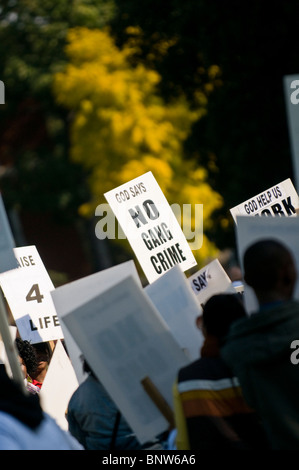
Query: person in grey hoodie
x=258, y=348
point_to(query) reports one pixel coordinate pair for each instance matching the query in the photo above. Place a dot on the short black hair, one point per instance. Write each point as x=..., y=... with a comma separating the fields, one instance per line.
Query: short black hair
x=220, y=311
x=263, y=261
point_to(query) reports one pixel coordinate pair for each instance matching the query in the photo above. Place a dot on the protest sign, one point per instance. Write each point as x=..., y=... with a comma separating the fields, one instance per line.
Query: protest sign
x=3, y=354
x=210, y=280
x=58, y=386
x=7, y=258
x=252, y=229
x=74, y=294
x=125, y=341
x=13, y=365
x=150, y=226
x=8, y=262
x=279, y=200
x=27, y=291
x=173, y=298
x=291, y=91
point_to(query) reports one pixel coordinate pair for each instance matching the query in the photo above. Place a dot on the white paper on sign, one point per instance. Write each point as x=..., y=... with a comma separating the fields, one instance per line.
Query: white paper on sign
x=59, y=385
x=252, y=229
x=279, y=200
x=27, y=291
x=74, y=294
x=3, y=356
x=150, y=226
x=210, y=280
x=173, y=298
x=124, y=340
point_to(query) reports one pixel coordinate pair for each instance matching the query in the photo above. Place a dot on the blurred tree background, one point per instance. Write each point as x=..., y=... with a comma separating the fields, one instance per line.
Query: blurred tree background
x=122, y=128
x=218, y=65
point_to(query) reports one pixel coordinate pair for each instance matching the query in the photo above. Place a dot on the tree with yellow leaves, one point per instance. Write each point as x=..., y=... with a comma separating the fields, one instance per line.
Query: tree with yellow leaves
x=121, y=127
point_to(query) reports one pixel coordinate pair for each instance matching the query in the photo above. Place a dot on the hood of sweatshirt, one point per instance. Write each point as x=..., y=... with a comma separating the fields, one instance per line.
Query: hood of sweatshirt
x=263, y=337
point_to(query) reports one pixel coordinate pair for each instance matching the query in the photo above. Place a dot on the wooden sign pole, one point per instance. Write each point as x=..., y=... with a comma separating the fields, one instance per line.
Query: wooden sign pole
x=159, y=400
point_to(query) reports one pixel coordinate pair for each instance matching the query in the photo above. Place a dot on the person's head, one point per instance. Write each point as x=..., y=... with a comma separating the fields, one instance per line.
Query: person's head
x=43, y=354
x=219, y=312
x=27, y=356
x=270, y=270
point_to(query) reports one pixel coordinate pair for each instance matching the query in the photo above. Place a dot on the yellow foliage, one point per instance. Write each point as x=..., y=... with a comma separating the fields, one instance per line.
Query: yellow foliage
x=121, y=127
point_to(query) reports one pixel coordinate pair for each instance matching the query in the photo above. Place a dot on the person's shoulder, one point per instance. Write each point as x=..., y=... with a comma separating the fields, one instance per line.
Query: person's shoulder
x=9, y=431
x=200, y=368
x=57, y=438
x=88, y=394
x=8, y=421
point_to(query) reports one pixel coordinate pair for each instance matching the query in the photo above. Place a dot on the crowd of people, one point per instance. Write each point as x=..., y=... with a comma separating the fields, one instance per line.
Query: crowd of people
x=241, y=393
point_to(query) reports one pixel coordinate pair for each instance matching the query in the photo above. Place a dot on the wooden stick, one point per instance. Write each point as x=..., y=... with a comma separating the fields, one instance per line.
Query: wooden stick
x=158, y=399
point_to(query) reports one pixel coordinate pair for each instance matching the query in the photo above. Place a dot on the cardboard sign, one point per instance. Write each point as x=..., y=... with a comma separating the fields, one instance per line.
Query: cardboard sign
x=280, y=200
x=150, y=225
x=125, y=341
x=70, y=296
x=3, y=355
x=210, y=280
x=27, y=291
x=59, y=385
x=291, y=91
x=252, y=229
x=7, y=258
x=173, y=298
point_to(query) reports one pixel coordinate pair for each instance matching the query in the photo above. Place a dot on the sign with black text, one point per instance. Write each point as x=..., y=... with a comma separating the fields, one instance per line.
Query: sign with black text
x=150, y=225
x=279, y=200
x=210, y=280
x=27, y=291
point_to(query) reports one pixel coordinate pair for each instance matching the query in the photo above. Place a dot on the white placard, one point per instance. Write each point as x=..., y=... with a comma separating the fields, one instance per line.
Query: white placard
x=173, y=298
x=279, y=200
x=210, y=280
x=150, y=225
x=70, y=296
x=3, y=356
x=252, y=229
x=291, y=91
x=7, y=258
x=27, y=291
x=59, y=385
x=124, y=340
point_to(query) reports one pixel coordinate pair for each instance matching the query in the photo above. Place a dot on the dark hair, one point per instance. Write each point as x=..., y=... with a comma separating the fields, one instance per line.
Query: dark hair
x=27, y=353
x=263, y=262
x=43, y=351
x=220, y=311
